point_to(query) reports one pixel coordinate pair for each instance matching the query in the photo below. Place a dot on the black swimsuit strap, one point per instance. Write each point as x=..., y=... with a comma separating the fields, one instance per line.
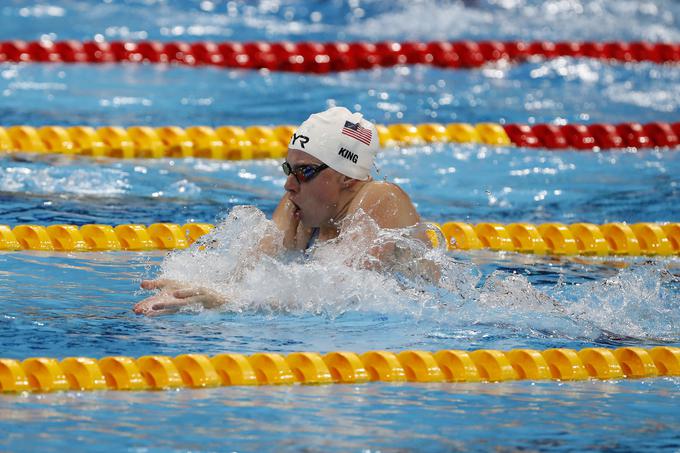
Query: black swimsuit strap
x=312, y=238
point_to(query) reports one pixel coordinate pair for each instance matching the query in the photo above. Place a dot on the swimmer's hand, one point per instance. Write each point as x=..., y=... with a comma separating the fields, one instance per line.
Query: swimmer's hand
x=173, y=296
x=287, y=220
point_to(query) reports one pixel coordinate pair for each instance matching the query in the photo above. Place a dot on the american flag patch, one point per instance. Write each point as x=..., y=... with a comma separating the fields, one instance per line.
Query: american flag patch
x=357, y=132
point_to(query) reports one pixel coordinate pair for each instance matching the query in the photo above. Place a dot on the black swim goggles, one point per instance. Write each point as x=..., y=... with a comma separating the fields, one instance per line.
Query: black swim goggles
x=303, y=173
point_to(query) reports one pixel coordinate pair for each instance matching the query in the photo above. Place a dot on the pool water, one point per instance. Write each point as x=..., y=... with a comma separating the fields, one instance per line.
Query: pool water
x=79, y=304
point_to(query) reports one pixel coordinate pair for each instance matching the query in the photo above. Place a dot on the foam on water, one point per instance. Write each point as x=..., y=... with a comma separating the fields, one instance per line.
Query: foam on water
x=22, y=177
x=335, y=278
x=342, y=276
x=638, y=302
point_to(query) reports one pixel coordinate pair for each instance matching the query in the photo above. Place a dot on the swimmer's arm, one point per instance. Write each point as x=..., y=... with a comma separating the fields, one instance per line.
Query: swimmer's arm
x=392, y=208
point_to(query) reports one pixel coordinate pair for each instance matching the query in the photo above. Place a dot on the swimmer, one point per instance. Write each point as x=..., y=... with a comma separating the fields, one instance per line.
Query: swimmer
x=328, y=168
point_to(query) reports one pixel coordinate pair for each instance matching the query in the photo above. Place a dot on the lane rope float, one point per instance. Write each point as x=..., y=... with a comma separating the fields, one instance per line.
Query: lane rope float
x=616, y=238
x=320, y=58
x=156, y=372
x=260, y=142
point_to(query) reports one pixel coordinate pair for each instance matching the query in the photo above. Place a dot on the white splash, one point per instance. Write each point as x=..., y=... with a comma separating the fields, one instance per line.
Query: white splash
x=639, y=302
x=335, y=278
x=342, y=275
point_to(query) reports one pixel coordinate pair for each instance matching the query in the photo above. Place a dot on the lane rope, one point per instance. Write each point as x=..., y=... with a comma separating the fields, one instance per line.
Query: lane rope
x=588, y=239
x=319, y=58
x=260, y=142
x=156, y=372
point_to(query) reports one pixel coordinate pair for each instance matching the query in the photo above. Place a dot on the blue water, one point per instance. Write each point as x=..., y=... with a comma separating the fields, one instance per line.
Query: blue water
x=60, y=305
x=373, y=417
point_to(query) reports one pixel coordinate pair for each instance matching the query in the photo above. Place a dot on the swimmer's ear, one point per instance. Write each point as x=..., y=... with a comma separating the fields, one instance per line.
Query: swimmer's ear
x=348, y=182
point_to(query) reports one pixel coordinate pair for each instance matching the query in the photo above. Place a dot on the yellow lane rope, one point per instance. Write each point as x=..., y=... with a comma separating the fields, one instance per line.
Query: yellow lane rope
x=41, y=374
x=224, y=142
x=661, y=239
x=260, y=142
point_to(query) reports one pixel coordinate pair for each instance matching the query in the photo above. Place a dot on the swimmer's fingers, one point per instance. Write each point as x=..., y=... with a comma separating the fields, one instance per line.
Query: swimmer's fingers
x=166, y=303
x=160, y=312
x=145, y=306
x=159, y=283
x=201, y=296
x=141, y=307
x=286, y=220
x=156, y=303
x=188, y=292
x=171, y=306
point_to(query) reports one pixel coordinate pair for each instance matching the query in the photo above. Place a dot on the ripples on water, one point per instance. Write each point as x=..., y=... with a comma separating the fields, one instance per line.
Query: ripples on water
x=561, y=90
x=447, y=182
x=80, y=304
x=388, y=416
x=399, y=20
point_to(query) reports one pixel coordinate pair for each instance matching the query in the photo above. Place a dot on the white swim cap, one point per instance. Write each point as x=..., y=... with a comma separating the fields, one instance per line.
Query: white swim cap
x=343, y=140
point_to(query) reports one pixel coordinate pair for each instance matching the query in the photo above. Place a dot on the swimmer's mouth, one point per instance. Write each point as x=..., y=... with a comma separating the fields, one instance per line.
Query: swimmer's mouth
x=297, y=212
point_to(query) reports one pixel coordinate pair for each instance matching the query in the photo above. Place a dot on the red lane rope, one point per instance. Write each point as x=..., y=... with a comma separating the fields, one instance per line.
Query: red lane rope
x=316, y=57
x=601, y=136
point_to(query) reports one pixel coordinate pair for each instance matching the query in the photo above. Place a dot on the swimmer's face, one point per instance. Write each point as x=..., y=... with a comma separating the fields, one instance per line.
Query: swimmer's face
x=317, y=199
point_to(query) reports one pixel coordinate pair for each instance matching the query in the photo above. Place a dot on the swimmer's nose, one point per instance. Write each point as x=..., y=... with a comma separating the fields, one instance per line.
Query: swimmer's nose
x=291, y=184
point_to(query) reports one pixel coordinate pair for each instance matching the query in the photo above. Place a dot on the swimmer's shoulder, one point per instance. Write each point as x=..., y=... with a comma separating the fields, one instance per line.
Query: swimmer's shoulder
x=387, y=203
x=374, y=191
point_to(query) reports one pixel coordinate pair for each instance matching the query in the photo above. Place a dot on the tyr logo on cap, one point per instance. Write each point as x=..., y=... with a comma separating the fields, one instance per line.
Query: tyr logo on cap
x=303, y=140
